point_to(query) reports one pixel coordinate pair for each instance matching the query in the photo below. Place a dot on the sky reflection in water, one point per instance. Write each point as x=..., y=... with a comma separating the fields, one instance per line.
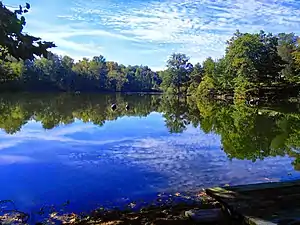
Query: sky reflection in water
x=130, y=157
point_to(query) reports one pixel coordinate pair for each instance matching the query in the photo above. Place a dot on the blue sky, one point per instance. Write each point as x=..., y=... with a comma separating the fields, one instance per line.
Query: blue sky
x=147, y=32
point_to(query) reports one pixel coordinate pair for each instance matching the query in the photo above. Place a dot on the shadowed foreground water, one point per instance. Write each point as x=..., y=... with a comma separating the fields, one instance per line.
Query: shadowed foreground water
x=55, y=148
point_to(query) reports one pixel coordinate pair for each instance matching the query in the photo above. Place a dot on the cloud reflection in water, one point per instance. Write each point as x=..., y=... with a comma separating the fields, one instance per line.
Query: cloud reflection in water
x=127, y=157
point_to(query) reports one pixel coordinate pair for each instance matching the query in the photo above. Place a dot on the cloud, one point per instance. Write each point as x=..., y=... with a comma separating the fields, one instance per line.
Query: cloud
x=63, y=135
x=198, y=27
x=9, y=144
x=147, y=32
x=12, y=159
x=187, y=160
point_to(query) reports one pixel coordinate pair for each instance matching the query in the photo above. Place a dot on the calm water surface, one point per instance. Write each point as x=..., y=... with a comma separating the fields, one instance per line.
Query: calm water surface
x=55, y=148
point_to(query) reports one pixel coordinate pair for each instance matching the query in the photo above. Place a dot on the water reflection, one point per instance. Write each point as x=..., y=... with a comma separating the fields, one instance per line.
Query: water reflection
x=253, y=133
x=246, y=132
x=59, y=147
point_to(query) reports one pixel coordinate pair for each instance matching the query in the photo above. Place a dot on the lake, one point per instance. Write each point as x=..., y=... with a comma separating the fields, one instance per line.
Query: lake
x=63, y=147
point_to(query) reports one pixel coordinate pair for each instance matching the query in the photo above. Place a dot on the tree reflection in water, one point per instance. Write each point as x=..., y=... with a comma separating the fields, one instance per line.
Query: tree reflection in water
x=246, y=132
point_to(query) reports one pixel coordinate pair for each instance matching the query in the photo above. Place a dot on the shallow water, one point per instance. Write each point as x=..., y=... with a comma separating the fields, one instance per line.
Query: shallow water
x=55, y=148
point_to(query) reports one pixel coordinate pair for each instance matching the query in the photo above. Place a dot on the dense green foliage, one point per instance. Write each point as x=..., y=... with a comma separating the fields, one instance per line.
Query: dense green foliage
x=13, y=42
x=177, y=75
x=63, y=74
x=253, y=64
x=257, y=64
x=16, y=45
x=57, y=73
x=246, y=132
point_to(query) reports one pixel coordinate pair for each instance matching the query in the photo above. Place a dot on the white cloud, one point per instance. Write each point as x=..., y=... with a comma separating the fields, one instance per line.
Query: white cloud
x=198, y=28
x=62, y=36
x=12, y=159
x=61, y=135
x=187, y=160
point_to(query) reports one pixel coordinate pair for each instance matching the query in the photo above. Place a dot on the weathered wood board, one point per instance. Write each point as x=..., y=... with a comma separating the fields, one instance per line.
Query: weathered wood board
x=268, y=203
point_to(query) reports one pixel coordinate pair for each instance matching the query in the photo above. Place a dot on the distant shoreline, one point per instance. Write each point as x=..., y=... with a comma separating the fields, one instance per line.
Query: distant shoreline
x=83, y=92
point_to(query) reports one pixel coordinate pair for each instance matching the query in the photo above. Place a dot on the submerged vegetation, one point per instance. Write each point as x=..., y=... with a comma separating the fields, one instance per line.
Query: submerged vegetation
x=260, y=64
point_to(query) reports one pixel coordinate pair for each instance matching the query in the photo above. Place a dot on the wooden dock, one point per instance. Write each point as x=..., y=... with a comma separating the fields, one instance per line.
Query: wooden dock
x=268, y=203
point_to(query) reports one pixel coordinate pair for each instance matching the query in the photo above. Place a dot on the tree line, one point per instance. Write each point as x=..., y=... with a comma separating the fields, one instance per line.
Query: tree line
x=253, y=64
x=56, y=73
x=27, y=64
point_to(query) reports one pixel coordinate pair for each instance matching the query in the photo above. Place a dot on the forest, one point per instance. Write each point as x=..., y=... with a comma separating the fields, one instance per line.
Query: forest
x=258, y=64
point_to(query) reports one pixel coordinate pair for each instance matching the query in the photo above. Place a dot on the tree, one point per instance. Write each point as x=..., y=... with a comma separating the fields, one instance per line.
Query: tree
x=287, y=49
x=209, y=81
x=98, y=69
x=13, y=42
x=254, y=57
x=178, y=72
x=195, y=78
x=10, y=71
x=197, y=73
x=287, y=44
x=253, y=64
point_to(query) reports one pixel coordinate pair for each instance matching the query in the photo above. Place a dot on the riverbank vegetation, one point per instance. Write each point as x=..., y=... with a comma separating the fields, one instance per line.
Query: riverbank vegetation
x=260, y=64
x=255, y=64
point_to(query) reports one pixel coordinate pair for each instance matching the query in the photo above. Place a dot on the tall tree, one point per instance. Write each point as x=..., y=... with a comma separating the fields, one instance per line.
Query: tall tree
x=254, y=57
x=178, y=72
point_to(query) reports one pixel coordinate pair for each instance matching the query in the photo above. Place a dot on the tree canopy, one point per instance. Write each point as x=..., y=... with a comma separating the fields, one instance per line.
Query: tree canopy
x=177, y=74
x=13, y=41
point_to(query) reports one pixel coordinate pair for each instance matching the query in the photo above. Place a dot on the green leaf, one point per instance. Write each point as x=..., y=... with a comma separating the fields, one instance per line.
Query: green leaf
x=22, y=20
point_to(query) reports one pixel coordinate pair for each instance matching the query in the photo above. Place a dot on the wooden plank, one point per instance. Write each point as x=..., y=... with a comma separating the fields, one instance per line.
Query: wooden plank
x=257, y=221
x=269, y=185
x=268, y=203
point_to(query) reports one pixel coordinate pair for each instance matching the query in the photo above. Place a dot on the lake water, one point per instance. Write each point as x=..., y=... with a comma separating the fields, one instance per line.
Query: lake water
x=55, y=148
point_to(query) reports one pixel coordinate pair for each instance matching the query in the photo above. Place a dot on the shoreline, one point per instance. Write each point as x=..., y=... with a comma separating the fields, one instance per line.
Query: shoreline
x=165, y=209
